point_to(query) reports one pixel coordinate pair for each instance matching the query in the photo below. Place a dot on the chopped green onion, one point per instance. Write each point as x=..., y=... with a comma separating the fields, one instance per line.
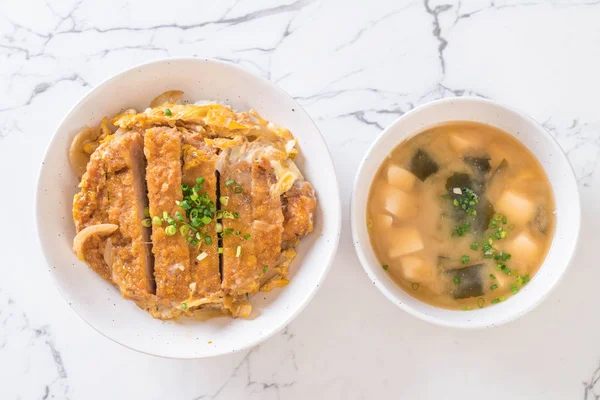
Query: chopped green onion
x=457, y=280
x=238, y=251
x=238, y=189
x=146, y=212
x=480, y=302
x=464, y=259
x=178, y=216
x=246, y=236
x=205, y=220
x=218, y=227
x=202, y=256
x=514, y=289
x=185, y=187
x=156, y=220
x=224, y=200
x=455, y=202
x=184, y=230
x=414, y=286
x=236, y=215
x=184, y=305
x=165, y=215
x=385, y=267
x=495, y=301
x=220, y=250
x=208, y=240
x=146, y=222
x=265, y=268
x=168, y=113
x=475, y=246
x=200, y=181
x=170, y=230
x=494, y=286
x=492, y=276
x=502, y=298
x=229, y=182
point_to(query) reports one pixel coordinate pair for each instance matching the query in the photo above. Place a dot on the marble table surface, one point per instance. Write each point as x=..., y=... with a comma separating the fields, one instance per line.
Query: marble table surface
x=355, y=66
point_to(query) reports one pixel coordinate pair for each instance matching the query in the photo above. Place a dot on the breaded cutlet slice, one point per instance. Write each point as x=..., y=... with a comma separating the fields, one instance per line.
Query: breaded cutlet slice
x=113, y=191
x=172, y=272
x=199, y=161
x=267, y=227
x=299, y=204
x=240, y=267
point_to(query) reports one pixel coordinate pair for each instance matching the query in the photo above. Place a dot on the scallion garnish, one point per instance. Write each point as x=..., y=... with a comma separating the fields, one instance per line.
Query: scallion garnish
x=156, y=220
x=147, y=222
x=170, y=230
x=265, y=268
x=385, y=267
x=414, y=286
x=457, y=280
x=168, y=112
x=464, y=259
x=238, y=251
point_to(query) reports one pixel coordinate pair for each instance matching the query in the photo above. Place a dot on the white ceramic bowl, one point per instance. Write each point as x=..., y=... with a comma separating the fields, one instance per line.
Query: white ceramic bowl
x=556, y=166
x=100, y=304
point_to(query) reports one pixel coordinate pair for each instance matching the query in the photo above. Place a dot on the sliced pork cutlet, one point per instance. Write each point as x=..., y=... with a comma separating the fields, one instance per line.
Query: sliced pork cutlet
x=240, y=267
x=118, y=197
x=199, y=162
x=172, y=271
x=267, y=227
x=90, y=207
x=131, y=257
x=299, y=204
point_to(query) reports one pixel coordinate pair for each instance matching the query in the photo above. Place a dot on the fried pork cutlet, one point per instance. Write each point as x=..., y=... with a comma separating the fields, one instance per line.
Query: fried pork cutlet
x=299, y=204
x=113, y=192
x=199, y=162
x=172, y=272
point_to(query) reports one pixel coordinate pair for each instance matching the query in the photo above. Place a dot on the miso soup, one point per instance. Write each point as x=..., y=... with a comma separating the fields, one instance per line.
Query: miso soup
x=461, y=216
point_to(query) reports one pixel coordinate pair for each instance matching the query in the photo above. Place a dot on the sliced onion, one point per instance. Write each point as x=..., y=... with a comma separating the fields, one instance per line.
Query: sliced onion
x=78, y=157
x=169, y=97
x=86, y=233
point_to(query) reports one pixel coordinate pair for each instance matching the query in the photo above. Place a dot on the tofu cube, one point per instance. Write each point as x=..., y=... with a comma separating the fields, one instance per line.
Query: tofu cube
x=404, y=241
x=523, y=248
x=383, y=221
x=399, y=204
x=415, y=269
x=400, y=178
x=517, y=208
x=461, y=143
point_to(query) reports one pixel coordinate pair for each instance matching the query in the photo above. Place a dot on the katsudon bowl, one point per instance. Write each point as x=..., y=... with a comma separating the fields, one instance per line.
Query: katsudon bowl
x=99, y=303
x=552, y=160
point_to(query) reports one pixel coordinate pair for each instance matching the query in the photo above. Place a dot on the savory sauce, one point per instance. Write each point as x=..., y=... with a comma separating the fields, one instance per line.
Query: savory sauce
x=461, y=216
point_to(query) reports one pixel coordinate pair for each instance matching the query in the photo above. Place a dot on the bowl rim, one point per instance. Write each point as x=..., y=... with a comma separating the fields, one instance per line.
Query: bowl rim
x=334, y=204
x=360, y=247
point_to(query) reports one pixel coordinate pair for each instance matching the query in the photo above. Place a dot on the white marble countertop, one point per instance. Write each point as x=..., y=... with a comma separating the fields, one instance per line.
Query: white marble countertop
x=355, y=66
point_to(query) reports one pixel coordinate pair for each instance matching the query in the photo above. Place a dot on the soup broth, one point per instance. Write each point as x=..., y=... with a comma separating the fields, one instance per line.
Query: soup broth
x=461, y=216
